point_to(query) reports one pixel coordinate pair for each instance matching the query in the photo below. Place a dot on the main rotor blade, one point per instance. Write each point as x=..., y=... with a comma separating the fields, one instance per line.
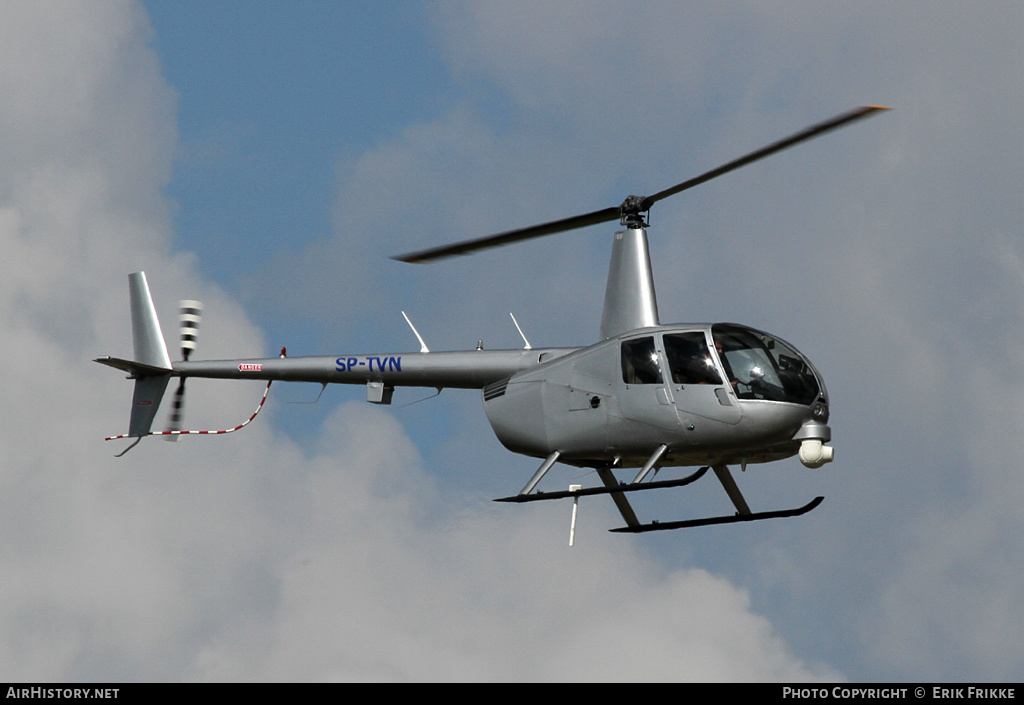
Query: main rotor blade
x=505, y=238
x=633, y=205
x=802, y=136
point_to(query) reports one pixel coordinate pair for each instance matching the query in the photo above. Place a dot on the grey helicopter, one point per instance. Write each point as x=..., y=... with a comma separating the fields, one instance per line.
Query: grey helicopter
x=646, y=395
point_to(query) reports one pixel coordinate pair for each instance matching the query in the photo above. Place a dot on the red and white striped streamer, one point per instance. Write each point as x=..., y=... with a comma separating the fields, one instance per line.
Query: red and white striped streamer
x=205, y=433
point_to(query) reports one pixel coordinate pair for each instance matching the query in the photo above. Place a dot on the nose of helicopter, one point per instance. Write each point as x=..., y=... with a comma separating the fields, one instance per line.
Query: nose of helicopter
x=764, y=368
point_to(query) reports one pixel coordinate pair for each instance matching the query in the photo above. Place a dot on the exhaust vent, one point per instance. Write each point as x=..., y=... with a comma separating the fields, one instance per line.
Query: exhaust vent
x=495, y=389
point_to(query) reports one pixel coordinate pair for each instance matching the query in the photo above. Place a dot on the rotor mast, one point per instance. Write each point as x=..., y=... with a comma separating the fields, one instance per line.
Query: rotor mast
x=629, y=297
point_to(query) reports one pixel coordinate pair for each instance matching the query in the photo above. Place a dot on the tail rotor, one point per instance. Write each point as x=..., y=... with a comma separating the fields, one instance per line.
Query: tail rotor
x=191, y=313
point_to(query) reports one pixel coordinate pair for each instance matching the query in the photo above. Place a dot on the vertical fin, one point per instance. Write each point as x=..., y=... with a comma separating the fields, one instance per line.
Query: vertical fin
x=149, y=390
x=150, y=349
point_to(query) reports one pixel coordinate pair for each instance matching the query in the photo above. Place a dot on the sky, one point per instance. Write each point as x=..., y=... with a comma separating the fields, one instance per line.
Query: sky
x=268, y=158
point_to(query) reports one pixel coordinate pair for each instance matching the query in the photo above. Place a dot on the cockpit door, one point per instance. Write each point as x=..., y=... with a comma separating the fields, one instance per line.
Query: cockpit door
x=695, y=381
x=643, y=395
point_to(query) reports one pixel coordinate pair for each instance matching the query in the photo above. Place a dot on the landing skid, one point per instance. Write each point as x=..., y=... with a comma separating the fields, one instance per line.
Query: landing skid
x=731, y=519
x=618, y=491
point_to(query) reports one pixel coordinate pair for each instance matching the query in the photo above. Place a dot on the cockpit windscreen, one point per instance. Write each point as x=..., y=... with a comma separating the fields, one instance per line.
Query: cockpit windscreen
x=760, y=366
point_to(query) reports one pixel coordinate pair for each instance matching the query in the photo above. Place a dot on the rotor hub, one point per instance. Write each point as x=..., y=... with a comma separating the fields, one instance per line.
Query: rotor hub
x=633, y=212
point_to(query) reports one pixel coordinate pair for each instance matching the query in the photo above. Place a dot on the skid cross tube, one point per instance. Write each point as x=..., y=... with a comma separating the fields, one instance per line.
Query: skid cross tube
x=660, y=484
x=651, y=462
x=541, y=472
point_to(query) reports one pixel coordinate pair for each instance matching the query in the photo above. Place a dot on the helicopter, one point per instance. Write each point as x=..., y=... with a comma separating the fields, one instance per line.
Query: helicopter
x=646, y=395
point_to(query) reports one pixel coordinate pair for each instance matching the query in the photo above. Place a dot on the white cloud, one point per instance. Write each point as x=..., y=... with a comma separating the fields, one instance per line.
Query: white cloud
x=482, y=595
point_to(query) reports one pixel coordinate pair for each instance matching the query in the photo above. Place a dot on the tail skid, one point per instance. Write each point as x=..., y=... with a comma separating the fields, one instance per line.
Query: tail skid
x=175, y=433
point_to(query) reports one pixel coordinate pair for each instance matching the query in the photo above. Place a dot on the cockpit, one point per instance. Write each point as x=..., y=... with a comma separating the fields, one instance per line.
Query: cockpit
x=760, y=366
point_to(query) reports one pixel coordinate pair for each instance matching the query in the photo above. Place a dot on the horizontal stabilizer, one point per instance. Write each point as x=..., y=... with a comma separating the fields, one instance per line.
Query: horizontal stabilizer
x=135, y=369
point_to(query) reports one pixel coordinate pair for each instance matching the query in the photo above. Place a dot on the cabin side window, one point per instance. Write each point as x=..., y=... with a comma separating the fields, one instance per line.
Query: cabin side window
x=640, y=361
x=689, y=359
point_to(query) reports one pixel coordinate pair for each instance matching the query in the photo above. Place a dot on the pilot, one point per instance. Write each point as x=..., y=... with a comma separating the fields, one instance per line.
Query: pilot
x=726, y=366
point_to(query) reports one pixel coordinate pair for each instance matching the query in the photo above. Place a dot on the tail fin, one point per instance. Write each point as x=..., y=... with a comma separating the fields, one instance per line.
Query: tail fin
x=151, y=367
x=145, y=402
x=150, y=348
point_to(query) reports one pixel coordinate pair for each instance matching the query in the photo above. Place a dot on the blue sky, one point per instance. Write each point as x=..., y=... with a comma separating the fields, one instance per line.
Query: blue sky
x=268, y=158
x=296, y=89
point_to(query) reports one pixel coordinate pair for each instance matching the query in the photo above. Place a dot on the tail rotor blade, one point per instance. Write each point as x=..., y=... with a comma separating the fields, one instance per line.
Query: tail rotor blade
x=191, y=313
x=177, y=411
